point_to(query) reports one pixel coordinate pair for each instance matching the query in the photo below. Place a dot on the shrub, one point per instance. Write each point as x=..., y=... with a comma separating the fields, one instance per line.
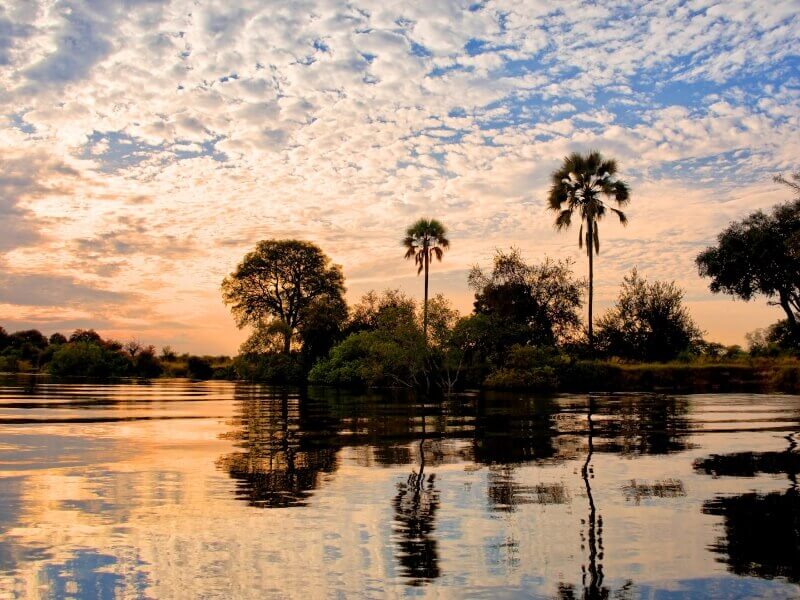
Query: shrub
x=529, y=367
x=88, y=359
x=198, y=367
x=146, y=364
x=270, y=367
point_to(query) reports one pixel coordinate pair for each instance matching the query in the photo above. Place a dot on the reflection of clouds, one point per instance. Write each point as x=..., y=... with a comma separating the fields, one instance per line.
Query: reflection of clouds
x=153, y=512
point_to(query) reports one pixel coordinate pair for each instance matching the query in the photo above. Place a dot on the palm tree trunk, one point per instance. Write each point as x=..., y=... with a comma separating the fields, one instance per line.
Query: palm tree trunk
x=590, y=240
x=425, y=306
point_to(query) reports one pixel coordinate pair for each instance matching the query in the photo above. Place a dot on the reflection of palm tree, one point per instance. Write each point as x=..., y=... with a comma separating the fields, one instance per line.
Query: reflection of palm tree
x=595, y=523
x=579, y=185
x=415, y=507
x=425, y=240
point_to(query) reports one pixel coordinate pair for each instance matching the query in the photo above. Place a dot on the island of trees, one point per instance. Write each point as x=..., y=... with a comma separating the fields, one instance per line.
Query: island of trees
x=526, y=329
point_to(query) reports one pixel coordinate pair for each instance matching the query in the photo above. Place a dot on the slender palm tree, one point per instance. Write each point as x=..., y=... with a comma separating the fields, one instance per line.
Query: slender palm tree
x=580, y=185
x=425, y=240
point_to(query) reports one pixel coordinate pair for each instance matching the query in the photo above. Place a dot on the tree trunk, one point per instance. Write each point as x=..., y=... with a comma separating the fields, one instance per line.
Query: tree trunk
x=287, y=341
x=590, y=241
x=425, y=306
x=790, y=316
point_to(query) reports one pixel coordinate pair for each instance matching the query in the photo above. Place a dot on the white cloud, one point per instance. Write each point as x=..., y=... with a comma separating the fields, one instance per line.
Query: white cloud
x=341, y=122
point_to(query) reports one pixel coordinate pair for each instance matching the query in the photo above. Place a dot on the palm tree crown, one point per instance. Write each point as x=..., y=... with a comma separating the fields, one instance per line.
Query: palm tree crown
x=582, y=184
x=425, y=240
x=426, y=236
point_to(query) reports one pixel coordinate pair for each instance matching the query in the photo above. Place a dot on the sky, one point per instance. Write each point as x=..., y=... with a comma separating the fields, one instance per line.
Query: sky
x=147, y=145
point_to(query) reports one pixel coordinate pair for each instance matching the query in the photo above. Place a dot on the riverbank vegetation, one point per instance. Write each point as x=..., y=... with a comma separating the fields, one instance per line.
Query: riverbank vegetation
x=525, y=330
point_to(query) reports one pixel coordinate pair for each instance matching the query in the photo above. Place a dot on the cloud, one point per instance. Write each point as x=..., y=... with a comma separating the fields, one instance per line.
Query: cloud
x=32, y=289
x=154, y=142
x=25, y=177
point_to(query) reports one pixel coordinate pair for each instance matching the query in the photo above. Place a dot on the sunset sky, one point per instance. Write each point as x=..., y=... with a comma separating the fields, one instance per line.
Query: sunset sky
x=146, y=145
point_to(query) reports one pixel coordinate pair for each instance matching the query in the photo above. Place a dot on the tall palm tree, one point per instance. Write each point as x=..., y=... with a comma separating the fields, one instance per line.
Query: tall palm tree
x=580, y=185
x=425, y=240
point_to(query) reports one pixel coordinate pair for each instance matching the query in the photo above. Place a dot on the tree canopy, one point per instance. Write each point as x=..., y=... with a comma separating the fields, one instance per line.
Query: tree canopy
x=583, y=184
x=531, y=304
x=759, y=255
x=648, y=322
x=282, y=280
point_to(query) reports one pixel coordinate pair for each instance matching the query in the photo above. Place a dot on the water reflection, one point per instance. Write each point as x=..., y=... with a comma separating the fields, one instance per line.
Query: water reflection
x=263, y=492
x=285, y=446
x=643, y=425
x=762, y=530
x=415, y=506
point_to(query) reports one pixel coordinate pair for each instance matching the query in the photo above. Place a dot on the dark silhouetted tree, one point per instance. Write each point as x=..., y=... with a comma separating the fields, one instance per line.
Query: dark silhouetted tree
x=282, y=280
x=528, y=304
x=648, y=321
x=580, y=185
x=425, y=239
x=57, y=339
x=760, y=255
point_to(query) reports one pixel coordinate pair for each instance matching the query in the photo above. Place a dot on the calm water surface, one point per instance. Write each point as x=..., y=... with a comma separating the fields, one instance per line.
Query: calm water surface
x=224, y=490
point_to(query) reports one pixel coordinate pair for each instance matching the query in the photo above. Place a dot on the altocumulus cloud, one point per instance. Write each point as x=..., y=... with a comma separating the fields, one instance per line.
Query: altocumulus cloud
x=340, y=122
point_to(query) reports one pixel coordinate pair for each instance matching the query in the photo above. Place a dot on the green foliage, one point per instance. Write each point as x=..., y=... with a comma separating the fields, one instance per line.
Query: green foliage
x=88, y=359
x=282, y=280
x=528, y=304
x=530, y=368
x=647, y=323
x=391, y=353
x=277, y=368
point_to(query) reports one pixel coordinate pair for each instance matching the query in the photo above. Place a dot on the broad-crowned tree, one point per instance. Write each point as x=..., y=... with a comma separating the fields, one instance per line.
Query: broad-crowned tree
x=282, y=280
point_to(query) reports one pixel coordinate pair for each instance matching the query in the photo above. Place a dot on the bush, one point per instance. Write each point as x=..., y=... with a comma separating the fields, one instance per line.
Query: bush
x=539, y=379
x=198, y=367
x=147, y=365
x=529, y=367
x=649, y=322
x=88, y=359
x=269, y=367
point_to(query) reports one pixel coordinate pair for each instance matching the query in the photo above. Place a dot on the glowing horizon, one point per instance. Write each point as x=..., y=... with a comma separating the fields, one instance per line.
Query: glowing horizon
x=147, y=145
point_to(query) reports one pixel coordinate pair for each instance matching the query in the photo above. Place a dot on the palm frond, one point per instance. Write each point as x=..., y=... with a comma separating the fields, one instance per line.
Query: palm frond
x=596, y=238
x=564, y=219
x=623, y=218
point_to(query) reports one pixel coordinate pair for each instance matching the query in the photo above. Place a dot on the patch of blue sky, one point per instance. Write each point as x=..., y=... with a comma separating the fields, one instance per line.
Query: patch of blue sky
x=419, y=50
x=17, y=121
x=734, y=167
x=474, y=47
x=440, y=71
x=206, y=148
x=116, y=150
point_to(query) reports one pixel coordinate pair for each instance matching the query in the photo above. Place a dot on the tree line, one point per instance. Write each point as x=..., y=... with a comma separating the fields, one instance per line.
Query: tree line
x=526, y=325
x=525, y=329
x=84, y=353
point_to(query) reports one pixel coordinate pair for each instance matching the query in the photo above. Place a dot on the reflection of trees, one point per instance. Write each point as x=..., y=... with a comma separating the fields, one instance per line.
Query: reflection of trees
x=415, y=507
x=592, y=571
x=762, y=531
x=643, y=425
x=509, y=429
x=286, y=444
